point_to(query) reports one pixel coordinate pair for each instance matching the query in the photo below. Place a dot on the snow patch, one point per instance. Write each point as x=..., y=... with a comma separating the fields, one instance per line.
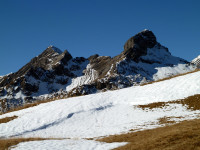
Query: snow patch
x=67, y=144
x=90, y=76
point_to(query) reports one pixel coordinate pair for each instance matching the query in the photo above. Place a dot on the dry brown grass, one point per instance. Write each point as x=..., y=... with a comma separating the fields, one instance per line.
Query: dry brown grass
x=6, y=143
x=191, y=102
x=181, y=136
x=7, y=119
x=154, y=105
x=165, y=120
x=174, y=76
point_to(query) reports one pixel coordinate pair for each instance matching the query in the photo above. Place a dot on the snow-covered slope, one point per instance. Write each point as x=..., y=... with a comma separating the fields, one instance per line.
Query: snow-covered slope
x=105, y=113
x=101, y=114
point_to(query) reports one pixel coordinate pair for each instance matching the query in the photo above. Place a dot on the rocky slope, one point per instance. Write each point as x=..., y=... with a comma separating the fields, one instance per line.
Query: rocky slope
x=56, y=74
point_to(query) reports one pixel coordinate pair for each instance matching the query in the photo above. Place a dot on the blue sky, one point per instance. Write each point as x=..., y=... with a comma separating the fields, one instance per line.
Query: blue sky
x=87, y=27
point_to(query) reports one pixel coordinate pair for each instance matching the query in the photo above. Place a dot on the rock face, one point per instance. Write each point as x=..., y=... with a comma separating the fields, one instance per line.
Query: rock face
x=196, y=61
x=56, y=74
x=137, y=45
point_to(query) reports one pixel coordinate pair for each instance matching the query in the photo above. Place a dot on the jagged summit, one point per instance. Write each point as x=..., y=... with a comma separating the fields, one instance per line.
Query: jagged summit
x=46, y=60
x=145, y=38
x=137, y=45
x=55, y=49
x=50, y=57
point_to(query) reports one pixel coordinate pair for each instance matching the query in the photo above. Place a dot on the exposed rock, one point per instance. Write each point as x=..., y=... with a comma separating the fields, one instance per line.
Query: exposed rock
x=196, y=61
x=63, y=58
x=101, y=64
x=82, y=90
x=2, y=91
x=28, y=99
x=137, y=45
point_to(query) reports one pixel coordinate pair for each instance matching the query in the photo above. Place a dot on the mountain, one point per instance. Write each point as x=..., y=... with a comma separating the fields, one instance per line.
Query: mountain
x=56, y=74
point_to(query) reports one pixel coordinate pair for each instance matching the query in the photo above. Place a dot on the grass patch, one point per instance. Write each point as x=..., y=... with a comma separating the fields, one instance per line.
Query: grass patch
x=165, y=120
x=6, y=143
x=191, y=103
x=154, y=105
x=181, y=136
x=7, y=119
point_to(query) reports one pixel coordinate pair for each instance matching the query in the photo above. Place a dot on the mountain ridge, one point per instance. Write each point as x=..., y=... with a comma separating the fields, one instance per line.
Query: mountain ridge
x=57, y=74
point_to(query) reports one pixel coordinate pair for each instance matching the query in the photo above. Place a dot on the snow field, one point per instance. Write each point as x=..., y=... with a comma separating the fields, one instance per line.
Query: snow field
x=103, y=114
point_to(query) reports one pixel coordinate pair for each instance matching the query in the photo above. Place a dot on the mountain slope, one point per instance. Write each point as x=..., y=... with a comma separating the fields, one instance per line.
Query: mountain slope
x=107, y=113
x=104, y=113
x=55, y=74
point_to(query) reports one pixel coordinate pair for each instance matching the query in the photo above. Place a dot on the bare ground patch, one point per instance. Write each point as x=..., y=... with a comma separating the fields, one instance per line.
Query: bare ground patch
x=6, y=143
x=191, y=103
x=7, y=119
x=166, y=120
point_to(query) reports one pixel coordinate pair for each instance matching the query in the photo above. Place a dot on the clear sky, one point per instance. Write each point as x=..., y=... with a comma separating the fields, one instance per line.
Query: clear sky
x=87, y=27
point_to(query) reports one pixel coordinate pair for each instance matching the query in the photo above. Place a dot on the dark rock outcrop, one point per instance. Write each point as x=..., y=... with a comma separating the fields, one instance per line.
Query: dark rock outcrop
x=137, y=45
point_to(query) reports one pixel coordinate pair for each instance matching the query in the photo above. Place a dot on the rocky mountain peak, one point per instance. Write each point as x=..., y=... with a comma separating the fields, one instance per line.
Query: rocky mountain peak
x=50, y=51
x=55, y=49
x=137, y=45
x=49, y=57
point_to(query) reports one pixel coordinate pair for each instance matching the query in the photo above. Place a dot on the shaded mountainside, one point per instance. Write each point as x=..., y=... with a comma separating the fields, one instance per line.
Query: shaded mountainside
x=56, y=74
